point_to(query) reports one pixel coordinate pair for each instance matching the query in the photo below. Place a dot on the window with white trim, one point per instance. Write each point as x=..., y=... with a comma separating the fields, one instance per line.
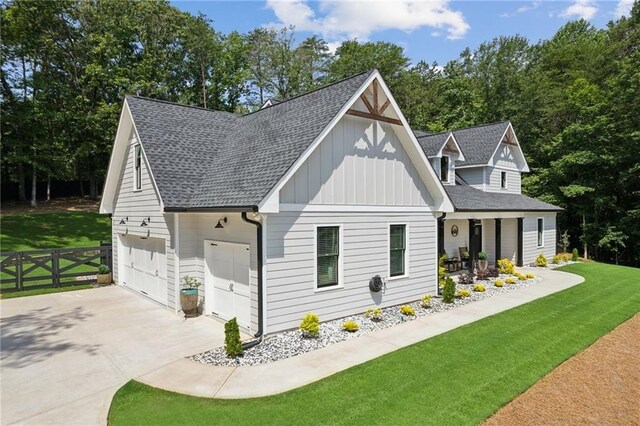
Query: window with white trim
x=503, y=180
x=540, y=232
x=397, y=250
x=137, y=168
x=328, y=255
x=444, y=168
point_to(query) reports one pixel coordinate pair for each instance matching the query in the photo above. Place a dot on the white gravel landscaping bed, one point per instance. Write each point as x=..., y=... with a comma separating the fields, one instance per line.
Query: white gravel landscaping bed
x=291, y=343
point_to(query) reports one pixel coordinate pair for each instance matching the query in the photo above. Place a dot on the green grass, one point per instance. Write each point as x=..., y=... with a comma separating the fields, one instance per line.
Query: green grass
x=49, y=231
x=460, y=377
x=53, y=230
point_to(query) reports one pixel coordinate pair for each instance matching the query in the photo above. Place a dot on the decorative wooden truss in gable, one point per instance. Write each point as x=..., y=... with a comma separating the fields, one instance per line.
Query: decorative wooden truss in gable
x=375, y=110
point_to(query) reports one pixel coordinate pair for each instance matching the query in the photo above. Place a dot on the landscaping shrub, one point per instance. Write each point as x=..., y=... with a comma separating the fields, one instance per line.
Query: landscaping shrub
x=565, y=257
x=310, y=325
x=407, y=310
x=449, y=290
x=520, y=276
x=442, y=271
x=541, y=260
x=426, y=300
x=498, y=283
x=350, y=326
x=479, y=288
x=465, y=279
x=574, y=255
x=374, y=314
x=232, y=343
x=505, y=266
x=555, y=260
x=530, y=276
x=510, y=280
x=463, y=293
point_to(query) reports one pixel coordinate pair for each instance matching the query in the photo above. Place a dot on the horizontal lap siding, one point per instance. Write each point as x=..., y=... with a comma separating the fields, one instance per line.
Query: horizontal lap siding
x=195, y=228
x=138, y=206
x=530, y=240
x=452, y=244
x=474, y=176
x=509, y=242
x=291, y=263
x=494, y=183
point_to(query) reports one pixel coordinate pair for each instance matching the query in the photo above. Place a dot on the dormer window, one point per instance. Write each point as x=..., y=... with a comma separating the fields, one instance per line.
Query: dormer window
x=444, y=169
x=503, y=180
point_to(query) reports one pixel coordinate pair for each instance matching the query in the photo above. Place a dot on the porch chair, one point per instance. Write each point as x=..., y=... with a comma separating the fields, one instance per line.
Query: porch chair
x=462, y=251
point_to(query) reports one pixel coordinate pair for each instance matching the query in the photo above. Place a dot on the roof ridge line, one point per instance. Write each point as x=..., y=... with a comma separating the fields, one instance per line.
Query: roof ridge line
x=432, y=134
x=162, y=101
x=311, y=91
x=481, y=125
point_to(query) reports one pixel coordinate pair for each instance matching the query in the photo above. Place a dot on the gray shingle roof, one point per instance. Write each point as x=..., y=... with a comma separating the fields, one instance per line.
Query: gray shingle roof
x=468, y=198
x=206, y=159
x=431, y=143
x=478, y=143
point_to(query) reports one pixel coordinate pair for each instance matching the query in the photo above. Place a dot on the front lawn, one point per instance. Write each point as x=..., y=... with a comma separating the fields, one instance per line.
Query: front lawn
x=460, y=377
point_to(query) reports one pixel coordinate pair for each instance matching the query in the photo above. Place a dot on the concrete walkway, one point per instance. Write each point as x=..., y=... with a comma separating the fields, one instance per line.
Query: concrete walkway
x=196, y=379
x=65, y=355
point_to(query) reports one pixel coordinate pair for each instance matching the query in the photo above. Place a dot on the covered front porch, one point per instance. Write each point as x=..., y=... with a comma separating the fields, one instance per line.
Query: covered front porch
x=498, y=234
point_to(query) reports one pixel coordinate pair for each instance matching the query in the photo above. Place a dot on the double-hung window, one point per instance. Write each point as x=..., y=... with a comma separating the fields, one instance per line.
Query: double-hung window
x=328, y=256
x=397, y=250
x=540, y=232
x=138, y=168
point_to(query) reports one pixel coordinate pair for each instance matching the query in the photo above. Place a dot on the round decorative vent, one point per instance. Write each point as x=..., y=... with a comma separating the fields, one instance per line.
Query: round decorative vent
x=375, y=284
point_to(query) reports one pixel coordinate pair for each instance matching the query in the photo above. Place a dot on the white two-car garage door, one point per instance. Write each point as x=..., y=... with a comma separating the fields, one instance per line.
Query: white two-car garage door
x=143, y=266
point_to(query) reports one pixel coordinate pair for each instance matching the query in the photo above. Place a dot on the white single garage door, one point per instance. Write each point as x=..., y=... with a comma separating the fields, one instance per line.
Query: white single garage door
x=143, y=266
x=227, y=293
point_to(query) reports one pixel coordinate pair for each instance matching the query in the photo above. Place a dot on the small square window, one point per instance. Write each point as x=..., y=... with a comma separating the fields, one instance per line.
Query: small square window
x=503, y=180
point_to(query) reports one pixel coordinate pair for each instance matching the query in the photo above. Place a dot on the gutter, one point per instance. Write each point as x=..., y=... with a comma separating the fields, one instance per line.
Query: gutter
x=439, y=220
x=258, y=335
x=211, y=209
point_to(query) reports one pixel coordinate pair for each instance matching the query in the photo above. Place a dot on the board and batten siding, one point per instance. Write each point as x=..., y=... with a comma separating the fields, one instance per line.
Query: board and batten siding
x=530, y=238
x=138, y=205
x=290, y=257
x=494, y=181
x=360, y=162
x=196, y=228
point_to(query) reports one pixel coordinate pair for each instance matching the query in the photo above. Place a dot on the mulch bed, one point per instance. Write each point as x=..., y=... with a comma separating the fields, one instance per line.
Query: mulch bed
x=599, y=386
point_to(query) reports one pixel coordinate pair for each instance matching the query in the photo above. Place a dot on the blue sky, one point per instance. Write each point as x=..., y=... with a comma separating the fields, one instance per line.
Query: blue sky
x=430, y=30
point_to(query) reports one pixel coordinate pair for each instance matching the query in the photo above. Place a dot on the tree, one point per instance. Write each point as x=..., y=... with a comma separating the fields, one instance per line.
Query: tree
x=613, y=241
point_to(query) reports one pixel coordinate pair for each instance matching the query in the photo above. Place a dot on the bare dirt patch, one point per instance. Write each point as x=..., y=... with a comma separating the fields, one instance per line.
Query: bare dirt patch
x=600, y=385
x=57, y=205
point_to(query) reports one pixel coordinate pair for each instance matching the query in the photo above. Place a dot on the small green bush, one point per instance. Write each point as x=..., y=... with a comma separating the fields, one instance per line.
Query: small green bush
x=232, y=343
x=310, y=325
x=103, y=269
x=479, y=288
x=498, y=283
x=463, y=293
x=574, y=255
x=505, y=266
x=350, y=326
x=449, y=290
x=426, y=300
x=374, y=314
x=407, y=310
x=541, y=260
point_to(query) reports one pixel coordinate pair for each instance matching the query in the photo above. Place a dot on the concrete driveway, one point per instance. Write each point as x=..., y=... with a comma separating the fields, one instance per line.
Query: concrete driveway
x=63, y=356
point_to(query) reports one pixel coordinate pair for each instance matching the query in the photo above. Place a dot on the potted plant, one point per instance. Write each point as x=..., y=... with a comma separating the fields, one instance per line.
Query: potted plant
x=465, y=258
x=104, y=275
x=189, y=296
x=482, y=261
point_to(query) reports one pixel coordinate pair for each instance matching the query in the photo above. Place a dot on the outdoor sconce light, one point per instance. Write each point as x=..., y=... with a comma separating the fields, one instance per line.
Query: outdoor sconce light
x=124, y=220
x=145, y=221
x=219, y=225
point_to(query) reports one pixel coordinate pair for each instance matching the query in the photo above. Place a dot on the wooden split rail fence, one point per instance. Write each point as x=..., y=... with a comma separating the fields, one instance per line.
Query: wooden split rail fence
x=31, y=269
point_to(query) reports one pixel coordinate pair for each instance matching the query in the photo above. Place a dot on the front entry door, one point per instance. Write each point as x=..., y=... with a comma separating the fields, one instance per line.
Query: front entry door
x=227, y=292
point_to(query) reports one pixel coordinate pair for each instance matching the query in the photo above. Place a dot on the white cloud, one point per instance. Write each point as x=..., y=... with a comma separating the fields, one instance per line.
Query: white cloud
x=339, y=20
x=522, y=9
x=623, y=8
x=584, y=9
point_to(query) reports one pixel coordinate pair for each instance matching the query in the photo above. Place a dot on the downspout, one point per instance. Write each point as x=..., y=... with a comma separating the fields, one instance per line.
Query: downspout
x=258, y=335
x=440, y=222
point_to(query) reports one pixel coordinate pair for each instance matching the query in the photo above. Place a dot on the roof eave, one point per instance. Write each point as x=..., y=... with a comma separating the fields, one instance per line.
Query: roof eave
x=230, y=209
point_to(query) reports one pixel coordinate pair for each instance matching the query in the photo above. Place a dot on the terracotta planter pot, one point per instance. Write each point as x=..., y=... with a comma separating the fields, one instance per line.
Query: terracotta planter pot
x=189, y=302
x=104, y=279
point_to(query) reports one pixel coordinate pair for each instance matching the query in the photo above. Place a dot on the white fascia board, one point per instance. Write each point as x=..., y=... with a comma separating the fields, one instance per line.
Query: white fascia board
x=125, y=125
x=485, y=215
x=525, y=168
x=455, y=142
